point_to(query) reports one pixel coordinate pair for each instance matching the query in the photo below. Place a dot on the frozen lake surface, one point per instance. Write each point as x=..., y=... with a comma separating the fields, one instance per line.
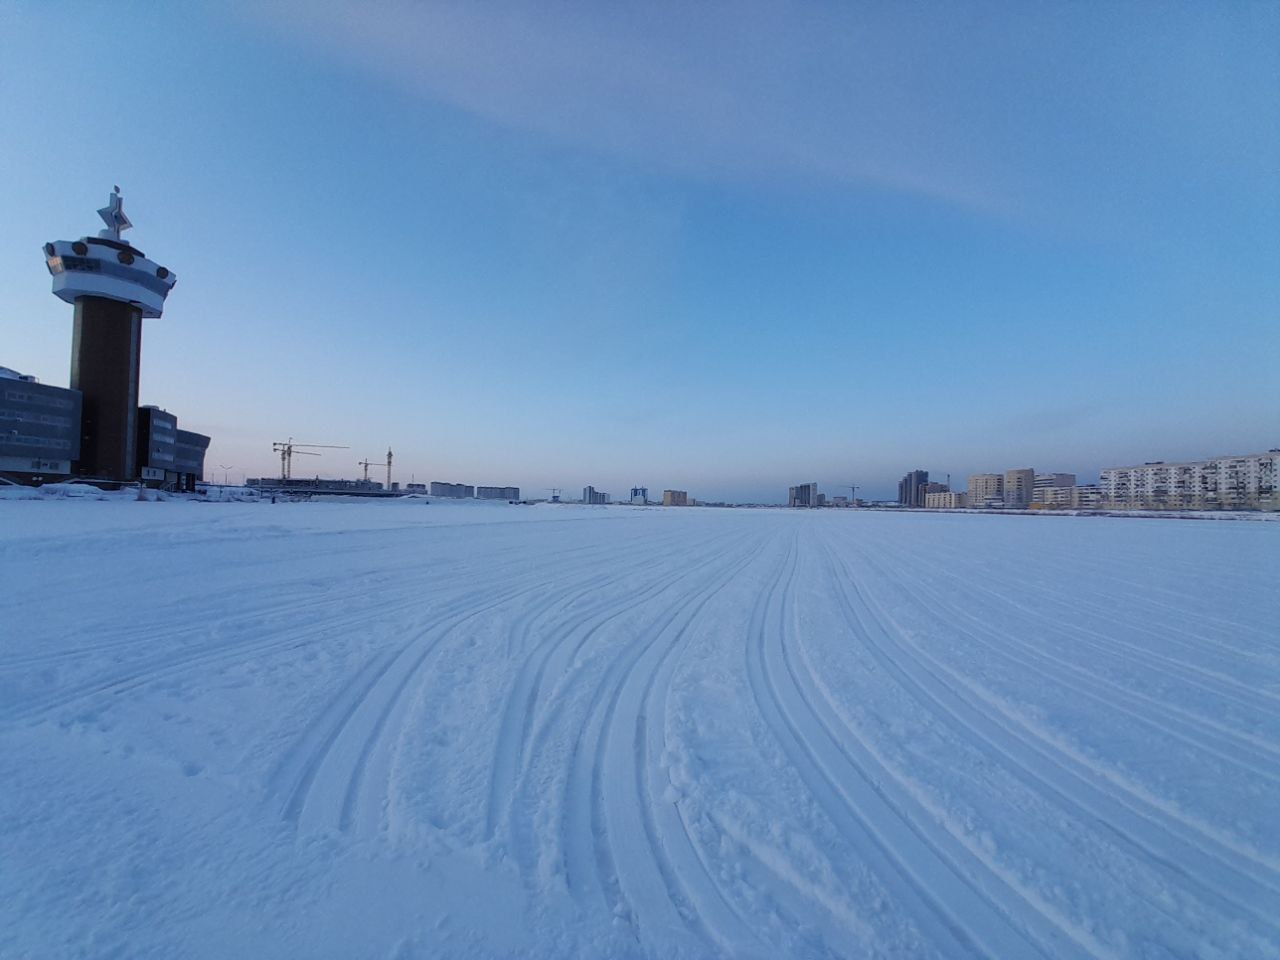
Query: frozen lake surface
x=395, y=730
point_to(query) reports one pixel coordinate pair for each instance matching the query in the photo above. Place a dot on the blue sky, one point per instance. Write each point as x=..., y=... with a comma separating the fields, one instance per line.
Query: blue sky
x=721, y=247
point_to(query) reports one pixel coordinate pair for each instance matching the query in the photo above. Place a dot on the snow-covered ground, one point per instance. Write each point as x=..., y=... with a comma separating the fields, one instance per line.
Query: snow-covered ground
x=400, y=729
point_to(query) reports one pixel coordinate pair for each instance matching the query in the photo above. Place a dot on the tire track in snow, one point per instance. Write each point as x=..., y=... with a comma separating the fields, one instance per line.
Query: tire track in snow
x=1130, y=818
x=1169, y=720
x=559, y=655
x=297, y=772
x=908, y=856
x=519, y=707
x=335, y=765
x=664, y=897
x=1114, y=645
x=168, y=663
x=582, y=849
x=376, y=752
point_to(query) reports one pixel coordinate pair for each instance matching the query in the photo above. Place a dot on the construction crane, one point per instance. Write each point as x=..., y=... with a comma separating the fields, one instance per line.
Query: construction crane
x=373, y=463
x=287, y=448
x=853, y=494
x=555, y=493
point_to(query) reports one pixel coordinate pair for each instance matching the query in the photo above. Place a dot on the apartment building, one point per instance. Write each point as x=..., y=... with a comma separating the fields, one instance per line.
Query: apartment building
x=593, y=496
x=675, y=498
x=1046, y=482
x=946, y=499
x=1019, y=485
x=986, y=490
x=911, y=488
x=803, y=495
x=1246, y=482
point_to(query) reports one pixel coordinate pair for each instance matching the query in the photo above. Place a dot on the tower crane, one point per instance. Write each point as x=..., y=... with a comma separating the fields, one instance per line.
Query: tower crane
x=287, y=449
x=373, y=463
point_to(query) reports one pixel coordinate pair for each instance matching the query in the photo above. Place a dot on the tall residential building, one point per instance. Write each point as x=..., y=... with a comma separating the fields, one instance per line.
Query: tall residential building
x=911, y=488
x=675, y=498
x=1248, y=481
x=640, y=495
x=803, y=495
x=592, y=495
x=1019, y=485
x=986, y=490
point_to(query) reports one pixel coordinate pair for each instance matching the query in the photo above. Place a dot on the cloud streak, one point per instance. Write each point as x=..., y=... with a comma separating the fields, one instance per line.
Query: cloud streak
x=716, y=92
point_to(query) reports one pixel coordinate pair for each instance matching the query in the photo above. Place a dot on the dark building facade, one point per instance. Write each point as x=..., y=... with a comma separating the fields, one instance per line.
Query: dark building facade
x=911, y=488
x=169, y=457
x=497, y=493
x=39, y=427
x=456, y=491
x=106, y=356
x=188, y=458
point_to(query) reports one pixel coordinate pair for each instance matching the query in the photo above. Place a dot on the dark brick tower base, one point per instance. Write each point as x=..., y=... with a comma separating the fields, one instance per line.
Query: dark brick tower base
x=106, y=352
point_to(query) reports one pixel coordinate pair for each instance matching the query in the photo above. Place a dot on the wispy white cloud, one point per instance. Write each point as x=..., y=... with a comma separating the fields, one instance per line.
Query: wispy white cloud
x=1090, y=115
x=710, y=90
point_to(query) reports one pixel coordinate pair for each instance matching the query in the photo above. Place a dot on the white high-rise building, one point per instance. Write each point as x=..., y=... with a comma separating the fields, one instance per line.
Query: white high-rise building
x=1222, y=483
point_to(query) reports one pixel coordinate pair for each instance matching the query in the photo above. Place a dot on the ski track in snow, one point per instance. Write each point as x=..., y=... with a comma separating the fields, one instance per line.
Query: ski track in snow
x=657, y=732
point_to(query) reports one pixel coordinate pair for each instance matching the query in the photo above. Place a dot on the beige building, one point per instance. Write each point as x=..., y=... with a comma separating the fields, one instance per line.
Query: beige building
x=675, y=498
x=986, y=490
x=1046, y=482
x=1087, y=497
x=945, y=500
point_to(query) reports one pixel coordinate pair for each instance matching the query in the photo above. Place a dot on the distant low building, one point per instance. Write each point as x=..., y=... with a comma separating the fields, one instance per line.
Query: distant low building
x=1045, y=482
x=1089, y=497
x=315, y=485
x=946, y=500
x=1054, y=497
x=803, y=495
x=675, y=498
x=497, y=493
x=453, y=491
x=415, y=487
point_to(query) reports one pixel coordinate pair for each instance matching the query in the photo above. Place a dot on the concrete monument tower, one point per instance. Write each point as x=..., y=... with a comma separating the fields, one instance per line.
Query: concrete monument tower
x=112, y=286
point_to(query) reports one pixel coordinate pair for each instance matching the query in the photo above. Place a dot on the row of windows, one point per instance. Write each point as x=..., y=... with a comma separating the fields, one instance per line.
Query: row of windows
x=39, y=399
x=26, y=440
x=48, y=419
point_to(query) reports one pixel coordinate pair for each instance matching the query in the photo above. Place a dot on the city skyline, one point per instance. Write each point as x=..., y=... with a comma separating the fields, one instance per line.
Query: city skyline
x=574, y=248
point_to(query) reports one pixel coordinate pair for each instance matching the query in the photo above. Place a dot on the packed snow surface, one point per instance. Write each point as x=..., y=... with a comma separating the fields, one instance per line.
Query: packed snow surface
x=410, y=729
